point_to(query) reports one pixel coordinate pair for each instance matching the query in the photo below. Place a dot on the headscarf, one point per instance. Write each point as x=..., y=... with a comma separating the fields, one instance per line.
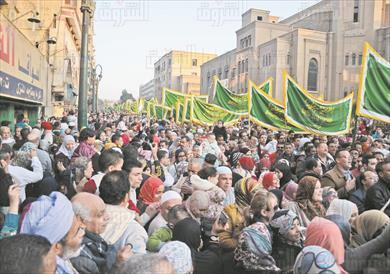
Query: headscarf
x=328, y=194
x=315, y=259
x=254, y=248
x=84, y=149
x=305, y=192
x=64, y=150
x=344, y=208
x=281, y=223
x=289, y=191
x=188, y=231
x=28, y=146
x=235, y=156
x=179, y=255
x=279, y=195
x=268, y=180
x=286, y=170
x=326, y=234
x=343, y=225
x=369, y=222
x=247, y=163
x=49, y=216
x=244, y=191
x=149, y=190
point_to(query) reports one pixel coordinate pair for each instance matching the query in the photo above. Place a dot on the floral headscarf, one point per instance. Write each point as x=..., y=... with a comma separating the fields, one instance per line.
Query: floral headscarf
x=281, y=223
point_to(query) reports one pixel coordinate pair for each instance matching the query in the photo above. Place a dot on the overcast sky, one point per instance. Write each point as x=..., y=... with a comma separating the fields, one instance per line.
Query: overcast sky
x=131, y=35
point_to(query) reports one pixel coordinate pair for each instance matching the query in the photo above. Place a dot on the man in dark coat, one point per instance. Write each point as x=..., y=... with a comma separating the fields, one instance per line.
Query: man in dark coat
x=379, y=194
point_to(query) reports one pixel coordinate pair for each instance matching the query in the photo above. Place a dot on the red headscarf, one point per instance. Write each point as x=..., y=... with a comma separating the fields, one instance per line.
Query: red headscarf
x=326, y=234
x=149, y=189
x=247, y=163
x=268, y=180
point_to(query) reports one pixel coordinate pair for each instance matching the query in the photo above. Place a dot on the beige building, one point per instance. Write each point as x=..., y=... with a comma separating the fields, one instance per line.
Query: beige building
x=146, y=90
x=180, y=71
x=57, y=36
x=321, y=47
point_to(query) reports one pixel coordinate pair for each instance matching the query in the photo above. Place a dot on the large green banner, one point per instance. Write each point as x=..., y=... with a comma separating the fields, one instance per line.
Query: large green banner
x=170, y=97
x=226, y=99
x=266, y=86
x=373, y=99
x=208, y=114
x=161, y=112
x=267, y=111
x=179, y=112
x=314, y=115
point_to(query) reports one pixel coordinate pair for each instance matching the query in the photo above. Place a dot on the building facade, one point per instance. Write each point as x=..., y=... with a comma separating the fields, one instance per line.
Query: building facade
x=321, y=47
x=180, y=71
x=146, y=91
x=56, y=35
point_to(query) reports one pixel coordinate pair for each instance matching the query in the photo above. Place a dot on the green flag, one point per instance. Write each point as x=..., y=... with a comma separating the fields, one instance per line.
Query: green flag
x=161, y=111
x=208, y=114
x=179, y=112
x=266, y=86
x=373, y=99
x=314, y=115
x=170, y=97
x=267, y=111
x=235, y=103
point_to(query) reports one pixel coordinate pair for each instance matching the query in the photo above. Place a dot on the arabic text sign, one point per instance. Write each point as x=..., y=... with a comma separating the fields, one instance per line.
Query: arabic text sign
x=22, y=67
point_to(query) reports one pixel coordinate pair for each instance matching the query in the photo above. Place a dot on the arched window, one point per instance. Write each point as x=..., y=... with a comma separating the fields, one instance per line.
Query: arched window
x=312, y=75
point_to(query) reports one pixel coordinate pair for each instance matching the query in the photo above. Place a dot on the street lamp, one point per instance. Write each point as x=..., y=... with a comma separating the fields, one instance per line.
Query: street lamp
x=96, y=77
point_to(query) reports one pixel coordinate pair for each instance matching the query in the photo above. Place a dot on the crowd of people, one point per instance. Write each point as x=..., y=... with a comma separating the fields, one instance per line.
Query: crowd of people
x=129, y=194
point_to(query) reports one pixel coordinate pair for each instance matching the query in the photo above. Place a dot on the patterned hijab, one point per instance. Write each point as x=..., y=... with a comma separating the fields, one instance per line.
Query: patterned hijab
x=244, y=191
x=344, y=208
x=281, y=223
x=315, y=259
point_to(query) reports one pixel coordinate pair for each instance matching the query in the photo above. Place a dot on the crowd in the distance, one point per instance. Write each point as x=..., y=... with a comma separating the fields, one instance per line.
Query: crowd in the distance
x=128, y=194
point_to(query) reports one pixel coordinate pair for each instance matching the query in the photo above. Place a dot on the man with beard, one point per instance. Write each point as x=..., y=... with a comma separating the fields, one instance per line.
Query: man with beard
x=52, y=217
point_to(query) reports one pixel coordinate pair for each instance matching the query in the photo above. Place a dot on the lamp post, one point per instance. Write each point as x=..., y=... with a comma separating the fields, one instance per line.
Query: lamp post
x=83, y=86
x=96, y=77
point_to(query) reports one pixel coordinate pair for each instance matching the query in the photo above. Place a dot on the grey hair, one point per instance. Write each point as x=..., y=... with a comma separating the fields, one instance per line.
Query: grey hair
x=147, y=263
x=198, y=161
x=81, y=210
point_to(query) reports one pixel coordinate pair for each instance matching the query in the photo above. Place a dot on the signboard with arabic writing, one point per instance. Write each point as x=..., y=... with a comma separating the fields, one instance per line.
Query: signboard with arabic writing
x=22, y=67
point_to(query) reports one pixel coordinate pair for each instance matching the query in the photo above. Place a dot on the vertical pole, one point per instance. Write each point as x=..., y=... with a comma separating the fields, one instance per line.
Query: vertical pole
x=96, y=88
x=93, y=82
x=83, y=86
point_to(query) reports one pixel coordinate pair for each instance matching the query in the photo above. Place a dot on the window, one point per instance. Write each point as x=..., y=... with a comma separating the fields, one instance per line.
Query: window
x=169, y=62
x=353, y=59
x=360, y=59
x=347, y=60
x=194, y=62
x=259, y=18
x=263, y=60
x=208, y=77
x=246, y=65
x=242, y=66
x=226, y=72
x=288, y=59
x=242, y=43
x=356, y=11
x=249, y=40
x=239, y=67
x=219, y=73
x=233, y=73
x=312, y=75
x=214, y=72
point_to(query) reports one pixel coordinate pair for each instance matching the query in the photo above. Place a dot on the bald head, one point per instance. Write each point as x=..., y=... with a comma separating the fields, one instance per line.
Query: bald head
x=92, y=211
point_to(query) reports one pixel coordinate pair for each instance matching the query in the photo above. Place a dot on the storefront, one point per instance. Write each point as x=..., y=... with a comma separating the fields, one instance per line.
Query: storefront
x=23, y=75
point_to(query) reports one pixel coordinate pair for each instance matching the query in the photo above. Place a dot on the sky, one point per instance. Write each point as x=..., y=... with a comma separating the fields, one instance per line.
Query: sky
x=131, y=35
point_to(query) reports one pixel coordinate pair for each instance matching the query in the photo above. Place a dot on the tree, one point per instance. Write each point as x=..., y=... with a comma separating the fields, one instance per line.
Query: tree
x=126, y=96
